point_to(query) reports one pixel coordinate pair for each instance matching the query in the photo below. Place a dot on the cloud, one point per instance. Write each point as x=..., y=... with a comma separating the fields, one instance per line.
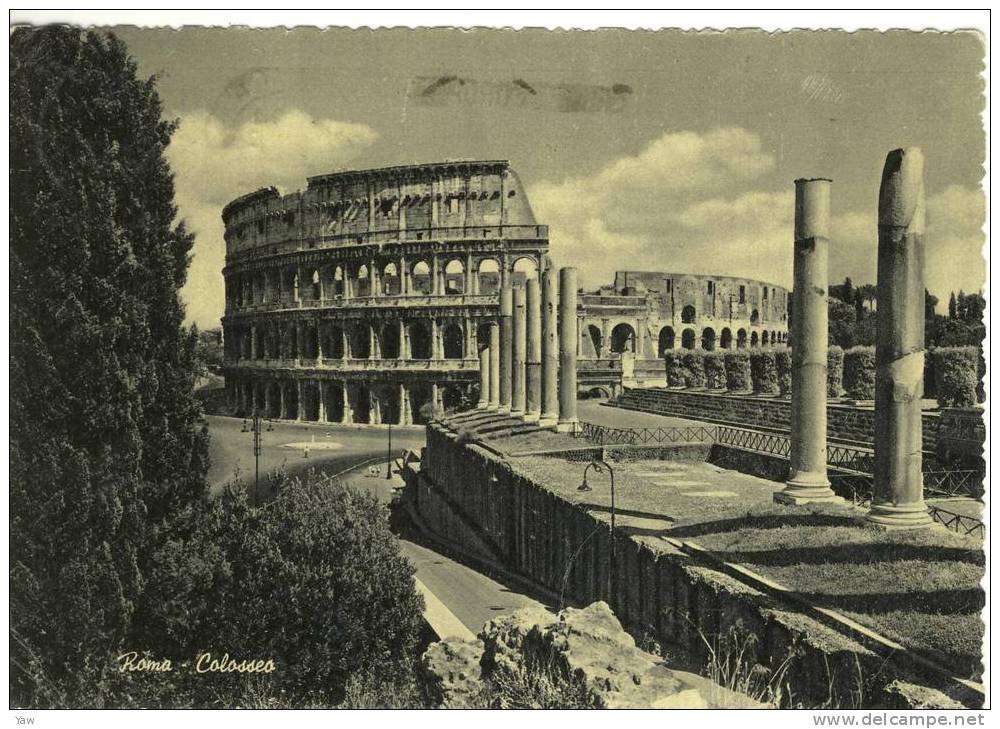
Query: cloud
x=214, y=164
x=699, y=203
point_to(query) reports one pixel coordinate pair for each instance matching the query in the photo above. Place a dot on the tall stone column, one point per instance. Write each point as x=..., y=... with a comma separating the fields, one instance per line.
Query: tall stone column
x=807, y=480
x=484, y=378
x=404, y=278
x=301, y=400
x=404, y=406
x=281, y=401
x=321, y=386
x=550, y=348
x=506, y=346
x=434, y=276
x=494, y=397
x=533, y=364
x=520, y=335
x=345, y=395
x=567, y=350
x=898, y=499
x=402, y=341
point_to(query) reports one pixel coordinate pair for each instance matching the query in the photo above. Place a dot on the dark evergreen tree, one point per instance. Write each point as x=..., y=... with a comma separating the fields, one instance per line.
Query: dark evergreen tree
x=952, y=306
x=105, y=442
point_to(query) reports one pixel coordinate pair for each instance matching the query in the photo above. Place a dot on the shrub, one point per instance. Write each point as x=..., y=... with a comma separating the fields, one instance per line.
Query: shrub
x=783, y=365
x=956, y=376
x=737, y=371
x=834, y=371
x=715, y=370
x=763, y=372
x=859, y=373
x=694, y=369
x=674, y=363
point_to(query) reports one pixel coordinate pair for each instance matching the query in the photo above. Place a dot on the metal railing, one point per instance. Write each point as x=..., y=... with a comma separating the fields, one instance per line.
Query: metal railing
x=607, y=435
x=958, y=522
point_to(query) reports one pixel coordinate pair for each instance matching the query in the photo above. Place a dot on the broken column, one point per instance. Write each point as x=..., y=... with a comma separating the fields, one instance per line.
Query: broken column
x=494, y=365
x=506, y=346
x=520, y=332
x=484, y=378
x=807, y=480
x=533, y=363
x=567, y=350
x=898, y=499
x=550, y=347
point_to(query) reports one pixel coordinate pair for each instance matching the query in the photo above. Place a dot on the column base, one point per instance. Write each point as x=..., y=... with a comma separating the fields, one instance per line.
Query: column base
x=482, y=405
x=548, y=422
x=567, y=426
x=900, y=516
x=530, y=417
x=503, y=409
x=516, y=413
x=806, y=490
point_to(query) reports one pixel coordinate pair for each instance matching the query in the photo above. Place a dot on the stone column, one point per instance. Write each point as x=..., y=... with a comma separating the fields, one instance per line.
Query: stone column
x=506, y=346
x=404, y=405
x=567, y=350
x=898, y=499
x=807, y=480
x=404, y=278
x=321, y=386
x=372, y=354
x=494, y=396
x=484, y=378
x=550, y=348
x=345, y=395
x=267, y=400
x=253, y=342
x=402, y=341
x=533, y=363
x=435, y=330
x=434, y=276
x=374, y=409
x=519, y=347
x=300, y=391
x=281, y=401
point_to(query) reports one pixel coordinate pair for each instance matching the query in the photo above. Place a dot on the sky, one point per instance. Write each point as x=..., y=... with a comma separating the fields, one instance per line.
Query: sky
x=664, y=150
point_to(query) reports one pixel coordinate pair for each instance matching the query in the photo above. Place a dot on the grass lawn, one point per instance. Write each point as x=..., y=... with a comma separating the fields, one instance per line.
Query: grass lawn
x=920, y=588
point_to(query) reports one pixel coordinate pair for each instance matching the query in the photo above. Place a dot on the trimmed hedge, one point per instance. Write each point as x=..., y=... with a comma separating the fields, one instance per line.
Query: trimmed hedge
x=737, y=370
x=763, y=372
x=834, y=371
x=783, y=364
x=674, y=363
x=715, y=370
x=694, y=369
x=956, y=376
x=859, y=373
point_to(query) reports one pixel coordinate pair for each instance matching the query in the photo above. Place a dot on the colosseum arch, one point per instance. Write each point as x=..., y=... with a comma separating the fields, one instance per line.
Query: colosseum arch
x=389, y=340
x=338, y=281
x=420, y=340
x=489, y=276
x=453, y=340
x=360, y=402
x=315, y=285
x=623, y=338
x=360, y=341
x=421, y=277
x=754, y=317
x=596, y=338
x=310, y=341
x=273, y=400
x=753, y=339
x=774, y=338
x=452, y=398
x=291, y=402
x=524, y=267
x=364, y=281
x=708, y=339
x=454, y=277
x=310, y=401
x=334, y=402
x=688, y=315
x=483, y=335
x=726, y=338
x=333, y=347
x=392, y=282
x=688, y=338
x=387, y=398
x=666, y=339
x=420, y=403
x=741, y=339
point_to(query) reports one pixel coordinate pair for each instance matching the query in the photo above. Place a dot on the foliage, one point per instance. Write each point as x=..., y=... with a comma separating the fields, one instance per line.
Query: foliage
x=715, y=370
x=673, y=361
x=783, y=366
x=834, y=371
x=859, y=373
x=763, y=372
x=694, y=369
x=105, y=442
x=208, y=347
x=955, y=375
x=737, y=370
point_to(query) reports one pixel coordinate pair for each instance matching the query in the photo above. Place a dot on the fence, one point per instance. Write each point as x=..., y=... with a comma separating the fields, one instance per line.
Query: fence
x=607, y=435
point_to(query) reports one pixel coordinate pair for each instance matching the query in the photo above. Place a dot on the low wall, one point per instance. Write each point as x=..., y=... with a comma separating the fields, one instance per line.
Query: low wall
x=659, y=593
x=844, y=422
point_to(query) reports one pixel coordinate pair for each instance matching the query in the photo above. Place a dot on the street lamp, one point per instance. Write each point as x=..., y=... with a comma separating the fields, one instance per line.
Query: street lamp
x=598, y=464
x=388, y=456
x=255, y=425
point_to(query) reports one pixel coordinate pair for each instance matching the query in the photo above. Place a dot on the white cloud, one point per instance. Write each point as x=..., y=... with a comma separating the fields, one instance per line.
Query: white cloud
x=691, y=203
x=214, y=164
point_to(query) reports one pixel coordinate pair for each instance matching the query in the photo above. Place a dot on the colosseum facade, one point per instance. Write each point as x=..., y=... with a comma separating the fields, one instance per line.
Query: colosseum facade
x=368, y=295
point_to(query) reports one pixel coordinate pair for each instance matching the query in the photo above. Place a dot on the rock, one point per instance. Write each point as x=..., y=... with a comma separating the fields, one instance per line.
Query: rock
x=903, y=695
x=452, y=677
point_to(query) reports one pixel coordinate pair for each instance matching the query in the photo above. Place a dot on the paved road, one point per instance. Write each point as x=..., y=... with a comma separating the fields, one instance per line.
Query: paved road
x=593, y=411
x=459, y=595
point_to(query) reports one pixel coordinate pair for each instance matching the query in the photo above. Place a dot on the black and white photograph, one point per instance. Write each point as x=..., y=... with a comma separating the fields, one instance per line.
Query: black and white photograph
x=416, y=364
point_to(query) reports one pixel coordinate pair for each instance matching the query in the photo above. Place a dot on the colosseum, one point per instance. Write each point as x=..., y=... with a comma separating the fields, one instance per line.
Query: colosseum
x=367, y=296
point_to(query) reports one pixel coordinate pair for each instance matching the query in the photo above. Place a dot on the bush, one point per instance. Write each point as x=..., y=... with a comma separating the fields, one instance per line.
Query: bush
x=763, y=372
x=956, y=376
x=715, y=370
x=737, y=371
x=859, y=373
x=694, y=369
x=674, y=363
x=783, y=365
x=834, y=371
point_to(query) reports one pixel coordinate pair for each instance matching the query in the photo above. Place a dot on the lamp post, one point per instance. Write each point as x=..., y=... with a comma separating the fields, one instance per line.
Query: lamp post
x=388, y=455
x=598, y=464
x=255, y=425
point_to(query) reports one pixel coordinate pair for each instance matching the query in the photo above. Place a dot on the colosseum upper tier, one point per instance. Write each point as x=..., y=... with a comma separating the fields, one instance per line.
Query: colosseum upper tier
x=367, y=295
